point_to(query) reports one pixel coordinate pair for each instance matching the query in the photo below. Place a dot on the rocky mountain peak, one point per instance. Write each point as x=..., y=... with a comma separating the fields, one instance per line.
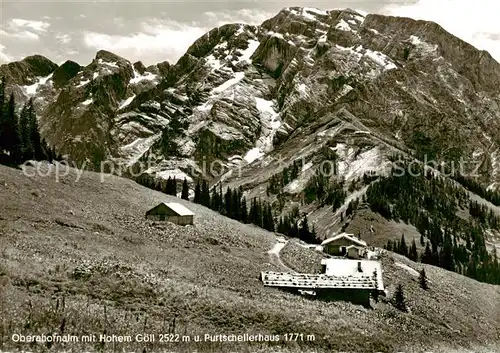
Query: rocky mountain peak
x=139, y=66
x=64, y=73
x=40, y=65
x=28, y=70
x=205, y=44
x=107, y=57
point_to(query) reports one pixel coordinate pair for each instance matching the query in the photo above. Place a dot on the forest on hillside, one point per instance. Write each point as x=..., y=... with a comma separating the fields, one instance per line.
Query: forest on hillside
x=436, y=207
x=20, y=138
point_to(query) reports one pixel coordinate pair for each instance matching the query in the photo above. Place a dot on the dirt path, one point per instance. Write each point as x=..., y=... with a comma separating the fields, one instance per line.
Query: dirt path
x=274, y=254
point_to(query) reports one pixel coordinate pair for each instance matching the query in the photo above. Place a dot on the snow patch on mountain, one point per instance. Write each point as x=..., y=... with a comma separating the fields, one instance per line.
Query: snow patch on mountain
x=205, y=107
x=147, y=76
x=83, y=83
x=423, y=47
x=381, y=59
x=111, y=64
x=275, y=34
x=316, y=11
x=135, y=150
x=32, y=89
x=254, y=154
x=358, y=53
x=351, y=165
x=345, y=89
x=307, y=13
x=126, y=102
x=248, y=52
x=270, y=123
x=229, y=83
x=213, y=62
x=88, y=101
x=301, y=88
x=307, y=166
x=343, y=26
x=359, y=18
x=323, y=39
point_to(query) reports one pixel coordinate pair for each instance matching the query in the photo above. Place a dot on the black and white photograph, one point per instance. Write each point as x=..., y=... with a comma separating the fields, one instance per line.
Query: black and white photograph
x=247, y=176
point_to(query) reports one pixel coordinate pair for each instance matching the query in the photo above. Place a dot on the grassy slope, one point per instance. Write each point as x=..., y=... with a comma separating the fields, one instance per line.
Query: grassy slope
x=137, y=276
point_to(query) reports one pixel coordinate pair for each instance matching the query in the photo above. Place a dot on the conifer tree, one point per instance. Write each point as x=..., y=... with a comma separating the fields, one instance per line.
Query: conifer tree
x=185, y=190
x=205, y=194
x=235, y=205
x=174, y=187
x=304, y=233
x=216, y=202
x=399, y=299
x=228, y=202
x=272, y=227
x=413, y=254
x=251, y=214
x=244, y=211
x=446, y=255
x=168, y=186
x=403, y=248
x=423, y=279
x=197, y=193
x=427, y=255
x=389, y=245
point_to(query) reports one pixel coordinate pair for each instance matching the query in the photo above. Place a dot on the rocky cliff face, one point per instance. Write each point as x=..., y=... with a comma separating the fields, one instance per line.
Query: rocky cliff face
x=306, y=84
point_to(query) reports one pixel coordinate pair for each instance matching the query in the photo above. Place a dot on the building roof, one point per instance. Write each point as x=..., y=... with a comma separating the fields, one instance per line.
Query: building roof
x=345, y=267
x=181, y=210
x=319, y=281
x=177, y=208
x=350, y=237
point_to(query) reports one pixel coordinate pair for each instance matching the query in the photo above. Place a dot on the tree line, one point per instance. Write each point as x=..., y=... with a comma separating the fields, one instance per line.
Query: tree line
x=233, y=204
x=169, y=186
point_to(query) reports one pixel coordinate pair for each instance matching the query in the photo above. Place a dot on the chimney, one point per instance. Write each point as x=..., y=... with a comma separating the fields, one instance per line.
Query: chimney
x=359, y=267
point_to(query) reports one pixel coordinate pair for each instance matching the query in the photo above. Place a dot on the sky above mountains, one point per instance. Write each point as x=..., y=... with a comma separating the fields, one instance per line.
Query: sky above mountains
x=155, y=31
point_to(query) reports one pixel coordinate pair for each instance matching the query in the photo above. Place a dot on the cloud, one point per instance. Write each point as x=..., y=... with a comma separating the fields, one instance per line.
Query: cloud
x=4, y=57
x=36, y=26
x=475, y=22
x=248, y=16
x=26, y=30
x=63, y=38
x=22, y=35
x=159, y=40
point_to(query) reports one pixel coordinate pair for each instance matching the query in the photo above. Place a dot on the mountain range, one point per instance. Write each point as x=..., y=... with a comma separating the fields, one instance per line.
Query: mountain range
x=307, y=85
